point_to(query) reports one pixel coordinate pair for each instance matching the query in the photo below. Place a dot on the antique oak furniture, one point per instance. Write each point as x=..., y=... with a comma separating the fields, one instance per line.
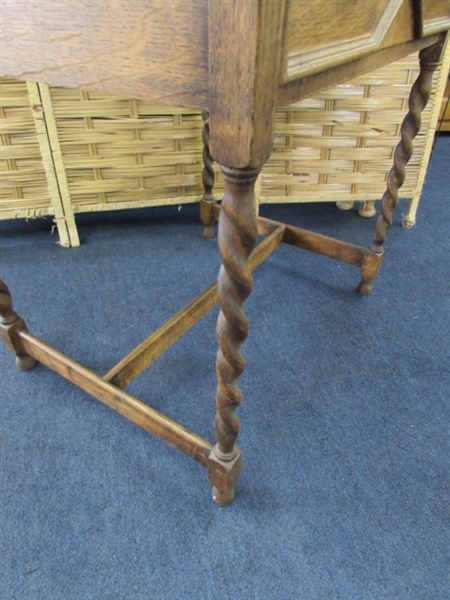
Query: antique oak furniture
x=237, y=60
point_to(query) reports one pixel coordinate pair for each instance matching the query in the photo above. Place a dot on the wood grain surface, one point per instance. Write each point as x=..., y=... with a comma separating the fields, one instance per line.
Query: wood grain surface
x=245, y=57
x=155, y=49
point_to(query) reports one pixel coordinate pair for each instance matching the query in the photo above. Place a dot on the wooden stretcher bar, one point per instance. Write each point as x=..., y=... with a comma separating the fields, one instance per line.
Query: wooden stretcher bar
x=134, y=410
x=109, y=388
x=150, y=349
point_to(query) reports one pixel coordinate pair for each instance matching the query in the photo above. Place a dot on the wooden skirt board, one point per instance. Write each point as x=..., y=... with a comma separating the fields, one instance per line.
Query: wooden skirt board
x=239, y=61
x=68, y=151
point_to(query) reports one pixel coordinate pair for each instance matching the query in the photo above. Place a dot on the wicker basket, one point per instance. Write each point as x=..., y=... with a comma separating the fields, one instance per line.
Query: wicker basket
x=69, y=151
x=29, y=187
x=339, y=145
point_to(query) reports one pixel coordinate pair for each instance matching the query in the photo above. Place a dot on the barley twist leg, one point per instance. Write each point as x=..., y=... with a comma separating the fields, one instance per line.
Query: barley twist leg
x=420, y=94
x=10, y=325
x=208, y=178
x=237, y=238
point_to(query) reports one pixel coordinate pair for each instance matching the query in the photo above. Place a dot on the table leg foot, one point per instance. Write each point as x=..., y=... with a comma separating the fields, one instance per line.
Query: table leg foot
x=25, y=362
x=223, y=473
x=369, y=271
x=10, y=325
x=207, y=216
x=364, y=288
x=222, y=498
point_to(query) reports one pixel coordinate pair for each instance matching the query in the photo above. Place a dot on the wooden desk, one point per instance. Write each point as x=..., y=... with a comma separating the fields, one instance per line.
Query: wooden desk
x=238, y=60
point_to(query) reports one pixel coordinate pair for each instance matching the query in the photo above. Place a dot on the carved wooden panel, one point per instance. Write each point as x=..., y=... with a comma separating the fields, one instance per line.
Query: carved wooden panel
x=346, y=30
x=435, y=16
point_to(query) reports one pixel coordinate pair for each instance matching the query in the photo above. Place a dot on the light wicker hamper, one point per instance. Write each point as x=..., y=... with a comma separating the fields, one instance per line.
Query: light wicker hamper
x=70, y=151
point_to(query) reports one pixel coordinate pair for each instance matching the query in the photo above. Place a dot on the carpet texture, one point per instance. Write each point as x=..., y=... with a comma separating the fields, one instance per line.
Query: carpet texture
x=345, y=487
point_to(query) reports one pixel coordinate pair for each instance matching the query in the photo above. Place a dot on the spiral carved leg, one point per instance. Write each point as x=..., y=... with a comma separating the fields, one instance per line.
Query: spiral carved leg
x=208, y=178
x=10, y=325
x=420, y=94
x=237, y=237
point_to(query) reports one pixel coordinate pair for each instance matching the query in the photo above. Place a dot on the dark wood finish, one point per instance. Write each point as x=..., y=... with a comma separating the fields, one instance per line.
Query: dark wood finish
x=148, y=351
x=313, y=45
x=156, y=344
x=159, y=50
x=238, y=231
x=245, y=57
x=239, y=60
x=139, y=413
x=316, y=242
x=298, y=89
x=208, y=179
x=432, y=17
x=155, y=49
x=10, y=327
x=269, y=244
x=420, y=93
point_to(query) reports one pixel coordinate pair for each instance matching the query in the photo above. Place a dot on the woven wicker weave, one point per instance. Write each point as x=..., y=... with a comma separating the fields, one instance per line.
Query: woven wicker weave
x=117, y=150
x=24, y=184
x=68, y=151
x=340, y=143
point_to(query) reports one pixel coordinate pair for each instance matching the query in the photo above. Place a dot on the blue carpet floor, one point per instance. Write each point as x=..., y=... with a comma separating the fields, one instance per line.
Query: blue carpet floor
x=345, y=488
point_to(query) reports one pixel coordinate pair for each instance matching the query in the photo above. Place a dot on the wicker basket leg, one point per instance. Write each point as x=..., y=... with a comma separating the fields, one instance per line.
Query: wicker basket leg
x=208, y=177
x=345, y=205
x=10, y=325
x=367, y=209
x=411, y=213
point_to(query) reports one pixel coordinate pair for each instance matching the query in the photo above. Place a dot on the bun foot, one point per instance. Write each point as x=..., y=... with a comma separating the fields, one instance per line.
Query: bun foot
x=208, y=231
x=25, y=362
x=345, y=205
x=223, y=473
x=222, y=498
x=367, y=210
x=364, y=288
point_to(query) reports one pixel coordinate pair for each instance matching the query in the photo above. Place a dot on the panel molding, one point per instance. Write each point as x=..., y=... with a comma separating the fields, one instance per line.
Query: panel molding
x=307, y=62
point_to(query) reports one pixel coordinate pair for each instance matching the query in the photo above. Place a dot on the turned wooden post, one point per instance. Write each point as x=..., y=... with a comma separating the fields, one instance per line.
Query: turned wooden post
x=238, y=232
x=208, y=178
x=429, y=59
x=10, y=325
x=245, y=65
